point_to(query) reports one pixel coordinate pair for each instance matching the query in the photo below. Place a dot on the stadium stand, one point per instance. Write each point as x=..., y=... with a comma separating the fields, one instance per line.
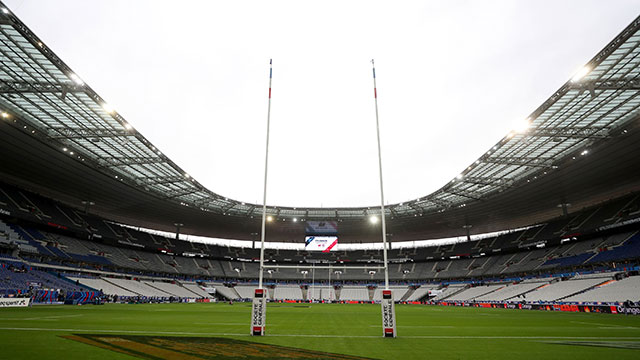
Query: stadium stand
x=354, y=293
x=475, y=292
x=123, y=250
x=195, y=289
x=510, y=291
x=104, y=286
x=321, y=293
x=610, y=291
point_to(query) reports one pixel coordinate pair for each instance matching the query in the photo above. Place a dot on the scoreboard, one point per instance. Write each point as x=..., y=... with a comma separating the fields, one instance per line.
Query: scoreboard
x=321, y=243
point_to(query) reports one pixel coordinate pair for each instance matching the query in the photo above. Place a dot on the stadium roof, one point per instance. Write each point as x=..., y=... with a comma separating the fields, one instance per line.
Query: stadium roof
x=43, y=98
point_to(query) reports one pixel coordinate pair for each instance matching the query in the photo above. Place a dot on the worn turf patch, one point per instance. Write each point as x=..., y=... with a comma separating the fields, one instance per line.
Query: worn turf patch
x=197, y=348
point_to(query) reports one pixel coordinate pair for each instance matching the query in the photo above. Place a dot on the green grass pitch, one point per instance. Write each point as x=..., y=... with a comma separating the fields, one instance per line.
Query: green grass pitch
x=424, y=331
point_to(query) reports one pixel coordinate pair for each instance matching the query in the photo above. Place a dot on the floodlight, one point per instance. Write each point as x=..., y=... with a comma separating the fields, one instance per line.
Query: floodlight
x=295, y=219
x=5, y=10
x=5, y=115
x=373, y=219
x=107, y=108
x=76, y=79
x=581, y=73
x=269, y=218
x=522, y=126
x=128, y=126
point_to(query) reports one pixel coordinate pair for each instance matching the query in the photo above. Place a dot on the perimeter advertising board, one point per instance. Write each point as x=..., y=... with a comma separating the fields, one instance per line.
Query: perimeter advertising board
x=14, y=302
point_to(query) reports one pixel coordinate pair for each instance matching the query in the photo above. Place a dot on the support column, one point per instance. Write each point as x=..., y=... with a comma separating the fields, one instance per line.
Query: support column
x=178, y=226
x=565, y=207
x=468, y=230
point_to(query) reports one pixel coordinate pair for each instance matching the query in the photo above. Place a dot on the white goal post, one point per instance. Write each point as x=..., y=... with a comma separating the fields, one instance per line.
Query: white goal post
x=259, y=306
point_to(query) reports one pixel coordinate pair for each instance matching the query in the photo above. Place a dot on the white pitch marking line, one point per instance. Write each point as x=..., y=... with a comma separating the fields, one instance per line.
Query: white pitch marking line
x=420, y=326
x=225, y=324
x=331, y=336
x=49, y=317
x=605, y=326
x=617, y=327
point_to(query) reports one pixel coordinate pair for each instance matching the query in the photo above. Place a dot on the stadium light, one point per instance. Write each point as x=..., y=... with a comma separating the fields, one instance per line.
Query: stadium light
x=522, y=126
x=107, y=108
x=5, y=115
x=581, y=73
x=373, y=219
x=5, y=10
x=128, y=126
x=269, y=218
x=76, y=79
x=295, y=219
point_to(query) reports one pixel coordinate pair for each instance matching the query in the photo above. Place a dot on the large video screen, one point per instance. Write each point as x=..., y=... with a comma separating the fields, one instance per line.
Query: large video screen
x=321, y=227
x=320, y=243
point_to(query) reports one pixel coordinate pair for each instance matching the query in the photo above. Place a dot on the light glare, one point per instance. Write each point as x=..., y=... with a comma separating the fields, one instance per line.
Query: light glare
x=522, y=126
x=76, y=79
x=107, y=108
x=581, y=73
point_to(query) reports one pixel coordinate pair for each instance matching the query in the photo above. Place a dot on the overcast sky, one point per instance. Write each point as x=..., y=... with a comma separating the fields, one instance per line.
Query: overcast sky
x=453, y=78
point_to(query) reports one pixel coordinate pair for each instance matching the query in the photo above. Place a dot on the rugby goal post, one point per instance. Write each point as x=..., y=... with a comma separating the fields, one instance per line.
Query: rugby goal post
x=259, y=305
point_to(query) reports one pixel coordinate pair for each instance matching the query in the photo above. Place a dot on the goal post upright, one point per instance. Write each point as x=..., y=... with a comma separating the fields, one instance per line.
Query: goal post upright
x=388, y=305
x=264, y=193
x=259, y=306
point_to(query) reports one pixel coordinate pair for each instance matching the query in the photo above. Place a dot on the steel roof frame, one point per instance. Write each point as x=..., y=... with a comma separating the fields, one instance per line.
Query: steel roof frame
x=40, y=89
